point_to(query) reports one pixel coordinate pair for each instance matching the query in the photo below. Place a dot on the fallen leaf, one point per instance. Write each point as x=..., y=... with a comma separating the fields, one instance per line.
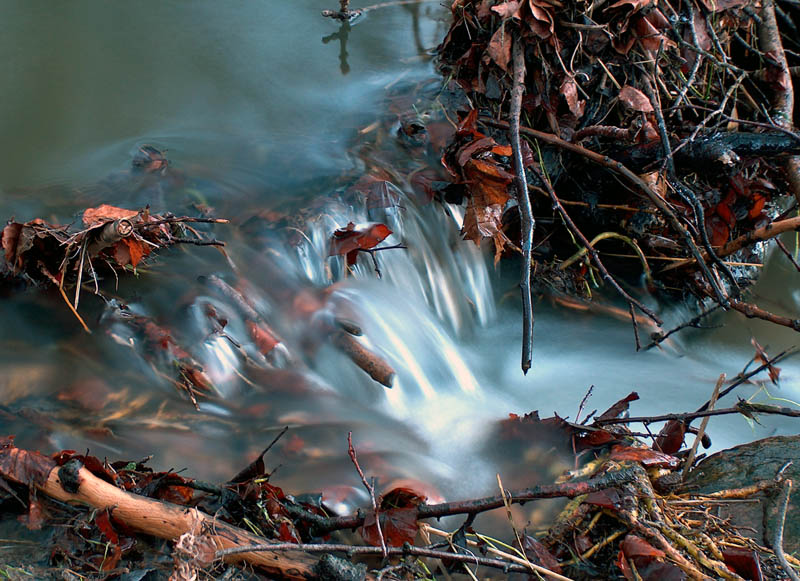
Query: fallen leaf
x=743, y=562
x=399, y=526
x=350, y=240
x=619, y=408
x=670, y=438
x=106, y=213
x=264, y=339
x=634, y=99
x=31, y=468
x=538, y=554
x=569, y=90
x=645, y=456
x=762, y=358
x=499, y=48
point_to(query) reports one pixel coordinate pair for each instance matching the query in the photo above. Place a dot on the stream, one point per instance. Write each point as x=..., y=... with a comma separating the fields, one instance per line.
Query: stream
x=258, y=105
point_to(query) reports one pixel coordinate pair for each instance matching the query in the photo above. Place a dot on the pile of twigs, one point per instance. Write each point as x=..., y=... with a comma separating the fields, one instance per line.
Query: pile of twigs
x=645, y=136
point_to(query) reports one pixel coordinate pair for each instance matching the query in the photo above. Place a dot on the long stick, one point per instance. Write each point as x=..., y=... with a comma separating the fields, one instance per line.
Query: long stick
x=523, y=201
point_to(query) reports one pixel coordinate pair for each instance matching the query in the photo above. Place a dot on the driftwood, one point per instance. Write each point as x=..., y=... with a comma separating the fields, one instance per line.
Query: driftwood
x=73, y=483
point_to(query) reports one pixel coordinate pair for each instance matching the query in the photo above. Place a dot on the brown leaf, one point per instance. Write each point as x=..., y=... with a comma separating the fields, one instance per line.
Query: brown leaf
x=507, y=9
x=634, y=99
x=499, y=48
x=619, y=408
x=31, y=468
x=670, y=438
x=264, y=339
x=636, y=5
x=569, y=90
x=106, y=213
x=488, y=182
x=350, y=240
x=645, y=456
x=608, y=498
x=10, y=238
x=399, y=526
x=540, y=21
x=136, y=250
x=635, y=547
x=475, y=149
x=762, y=358
x=481, y=221
x=538, y=554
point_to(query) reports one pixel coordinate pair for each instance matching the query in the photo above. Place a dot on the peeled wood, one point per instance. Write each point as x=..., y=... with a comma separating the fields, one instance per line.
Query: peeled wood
x=169, y=521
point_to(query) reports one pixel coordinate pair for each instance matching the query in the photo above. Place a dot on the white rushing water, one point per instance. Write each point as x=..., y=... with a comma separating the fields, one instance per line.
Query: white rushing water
x=253, y=107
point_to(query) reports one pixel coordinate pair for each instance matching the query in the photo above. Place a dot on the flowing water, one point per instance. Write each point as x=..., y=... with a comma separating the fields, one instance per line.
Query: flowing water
x=258, y=106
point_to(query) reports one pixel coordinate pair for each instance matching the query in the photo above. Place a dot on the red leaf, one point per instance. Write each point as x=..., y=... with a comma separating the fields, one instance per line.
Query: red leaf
x=287, y=533
x=670, y=438
x=264, y=339
x=758, y=206
x=608, y=498
x=645, y=456
x=136, y=250
x=635, y=547
x=744, y=563
x=402, y=497
x=724, y=212
x=350, y=240
x=619, y=408
x=102, y=520
x=595, y=439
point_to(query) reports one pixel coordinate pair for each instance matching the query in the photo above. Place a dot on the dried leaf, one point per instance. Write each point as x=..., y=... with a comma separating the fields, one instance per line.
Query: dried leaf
x=264, y=339
x=670, y=438
x=762, y=358
x=634, y=547
x=399, y=526
x=350, y=240
x=538, y=554
x=608, y=498
x=507, y=9
x=619, y=408
x=645, y=456
x=634, y=99
x=106, y=213
x=499, y=48
x=569, y=90
x=31, y=468
x=743, y=562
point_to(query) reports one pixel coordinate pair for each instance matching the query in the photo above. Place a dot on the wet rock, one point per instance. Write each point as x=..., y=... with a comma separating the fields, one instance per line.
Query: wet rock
x=743, y=466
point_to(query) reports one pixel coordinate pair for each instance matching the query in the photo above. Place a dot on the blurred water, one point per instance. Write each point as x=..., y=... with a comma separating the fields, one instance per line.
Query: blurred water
x=258, y=119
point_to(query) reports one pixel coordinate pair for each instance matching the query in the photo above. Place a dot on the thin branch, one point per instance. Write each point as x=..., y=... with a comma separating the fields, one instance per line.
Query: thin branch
x=523, y=201
x=777, y=540
x=405, y=550
x=322, y=525
x=592, y=252
x=370, y=489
